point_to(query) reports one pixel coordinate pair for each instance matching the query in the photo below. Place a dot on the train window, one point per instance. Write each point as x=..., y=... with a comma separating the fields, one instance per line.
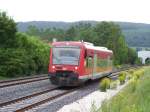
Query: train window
x=66, y=55
x=102, y=62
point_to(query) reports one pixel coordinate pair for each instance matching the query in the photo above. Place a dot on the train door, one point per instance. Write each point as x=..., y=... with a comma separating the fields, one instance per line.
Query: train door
x=94, y=66
x=89, y=65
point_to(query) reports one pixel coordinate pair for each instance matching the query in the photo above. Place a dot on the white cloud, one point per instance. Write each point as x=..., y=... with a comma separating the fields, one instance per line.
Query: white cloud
x=75, y=10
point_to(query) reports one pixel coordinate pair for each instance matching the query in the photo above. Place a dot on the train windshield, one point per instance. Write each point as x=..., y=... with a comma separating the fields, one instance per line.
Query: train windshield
x=66, y=55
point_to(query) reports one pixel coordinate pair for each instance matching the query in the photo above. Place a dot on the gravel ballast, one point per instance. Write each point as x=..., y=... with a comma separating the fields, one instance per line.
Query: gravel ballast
x=95, y=98
x=27, y=102
x=55, y=105
x=13, y=92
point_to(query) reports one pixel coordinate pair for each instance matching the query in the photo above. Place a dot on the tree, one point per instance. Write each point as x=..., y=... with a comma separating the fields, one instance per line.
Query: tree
x=110, y=36
x=70, y=34
x=46, y=33
x=33, y=31
x=21, y=54
x=84, y=31
x=7, y=31
x=132, y=56
x=121, y=53
x=30, y=57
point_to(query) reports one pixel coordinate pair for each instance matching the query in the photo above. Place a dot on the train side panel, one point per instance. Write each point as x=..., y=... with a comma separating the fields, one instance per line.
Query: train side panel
x=97, y=63
x=102, y=64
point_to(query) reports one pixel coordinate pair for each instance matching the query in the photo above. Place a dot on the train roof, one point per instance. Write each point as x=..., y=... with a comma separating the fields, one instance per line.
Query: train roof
x=85, y=44
x=62, y=43
x=98, y=48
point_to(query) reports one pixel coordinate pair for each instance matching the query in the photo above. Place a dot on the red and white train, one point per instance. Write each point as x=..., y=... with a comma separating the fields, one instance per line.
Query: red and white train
x=72, y=63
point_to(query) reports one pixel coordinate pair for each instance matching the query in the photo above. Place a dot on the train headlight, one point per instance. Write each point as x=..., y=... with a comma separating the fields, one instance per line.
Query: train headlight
x=76, y=68
x=53, y=67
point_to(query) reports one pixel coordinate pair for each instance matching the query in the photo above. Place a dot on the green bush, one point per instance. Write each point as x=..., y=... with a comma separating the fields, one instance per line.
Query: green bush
x=138, y=73
x=15, y=62
x=135, y=73
x=30, y=57
x=104, y=84
x=129, y=76
x=131, y=71
x=118, y=66
x=135, y=97
x=122, y=77
x=114, y=84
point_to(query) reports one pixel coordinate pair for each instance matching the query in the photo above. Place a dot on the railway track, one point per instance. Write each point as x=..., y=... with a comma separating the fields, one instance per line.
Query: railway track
x=36, y=99
x=115, y=74
x=44, y=101
x=24, y=80
x=26, y=97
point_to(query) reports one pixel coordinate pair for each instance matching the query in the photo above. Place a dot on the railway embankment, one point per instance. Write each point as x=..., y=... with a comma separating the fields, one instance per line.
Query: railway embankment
x=133, y=95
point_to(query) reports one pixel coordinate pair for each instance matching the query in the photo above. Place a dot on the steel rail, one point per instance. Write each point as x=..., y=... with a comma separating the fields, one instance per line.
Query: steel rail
x=27, y=97
x=22, y=82
x=21, y=78
x=44, y=101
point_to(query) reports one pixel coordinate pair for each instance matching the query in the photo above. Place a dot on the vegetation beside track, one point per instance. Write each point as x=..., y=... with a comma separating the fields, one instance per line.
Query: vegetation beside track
x=3, y=78
x=20, y=54
x=135, y=97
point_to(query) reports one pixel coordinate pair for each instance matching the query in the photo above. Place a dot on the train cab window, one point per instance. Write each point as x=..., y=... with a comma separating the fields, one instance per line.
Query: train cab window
x=66, y=55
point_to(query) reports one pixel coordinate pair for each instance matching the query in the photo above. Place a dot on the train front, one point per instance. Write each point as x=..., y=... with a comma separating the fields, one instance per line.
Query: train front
x=64, y=64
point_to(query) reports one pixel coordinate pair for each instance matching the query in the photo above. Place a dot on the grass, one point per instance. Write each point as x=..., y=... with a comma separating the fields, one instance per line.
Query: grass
x=9, y=78
x=131, y=101
x=3, y=78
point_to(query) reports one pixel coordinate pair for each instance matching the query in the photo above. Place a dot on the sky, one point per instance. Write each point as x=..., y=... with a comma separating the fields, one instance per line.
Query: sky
x=137, y=11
